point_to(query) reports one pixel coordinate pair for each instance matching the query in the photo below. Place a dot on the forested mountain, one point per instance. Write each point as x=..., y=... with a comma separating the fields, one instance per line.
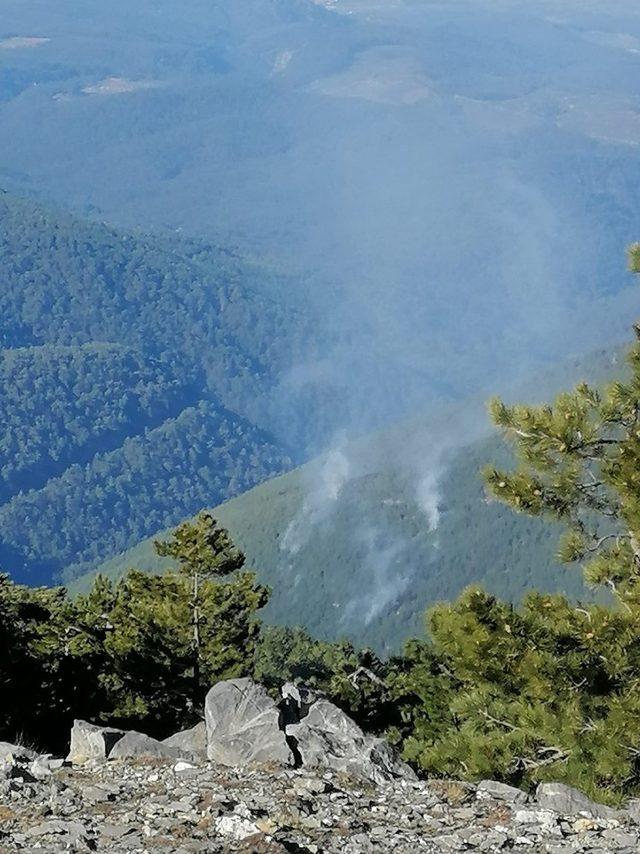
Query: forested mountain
x=202, y=312
x=62, y=404
x=448, y=189
x=153, y=479
x=137, y=383
x=359, y=542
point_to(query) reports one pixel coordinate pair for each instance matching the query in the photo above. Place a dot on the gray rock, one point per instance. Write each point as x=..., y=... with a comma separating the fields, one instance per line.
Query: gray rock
x=13, y=752
x=96, y=794
x=633, y=810
x=328, y=738
x=116, y=831
x=569, y=801
x=620, y=838
x=41, y=767
x=92, y=742
x=136, y=745
x=502, y=792
x=193, y=740
x=73, y=829
x=273, y=808
x=243, y=725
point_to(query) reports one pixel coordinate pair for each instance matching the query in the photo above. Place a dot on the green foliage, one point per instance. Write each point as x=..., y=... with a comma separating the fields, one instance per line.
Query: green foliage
x=90, y=512
x=36, y=630
x=145, y=629
x=204, y=551
x=202, y=548
x=544, y=692
x=125, y=652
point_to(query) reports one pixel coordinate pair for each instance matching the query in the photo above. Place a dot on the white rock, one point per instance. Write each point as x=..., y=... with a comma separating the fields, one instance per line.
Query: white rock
x=89, y=741
x=236, y=827
x=182, y=766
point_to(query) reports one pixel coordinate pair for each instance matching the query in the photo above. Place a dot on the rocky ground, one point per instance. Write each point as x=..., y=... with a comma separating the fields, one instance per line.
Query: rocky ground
x=160, y=806
x=262, y=776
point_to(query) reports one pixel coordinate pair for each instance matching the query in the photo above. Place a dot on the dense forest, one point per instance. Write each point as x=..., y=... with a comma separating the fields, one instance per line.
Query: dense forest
x=198, y=310
x=139, y=381
x=92, y=511
x=62, y=404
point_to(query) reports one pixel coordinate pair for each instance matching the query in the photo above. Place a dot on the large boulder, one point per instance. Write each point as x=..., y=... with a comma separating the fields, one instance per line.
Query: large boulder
x=94, y=743
x=569, y=801
x=91, y=742
x=243, y=725
x=192, y=741
x=327, y=738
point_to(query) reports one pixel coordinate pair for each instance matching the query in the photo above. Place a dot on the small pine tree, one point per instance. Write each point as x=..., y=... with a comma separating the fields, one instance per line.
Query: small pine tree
x=204, y=551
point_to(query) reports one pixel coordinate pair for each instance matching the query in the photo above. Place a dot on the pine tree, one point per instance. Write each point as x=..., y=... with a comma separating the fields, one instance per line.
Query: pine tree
x=204, y=551
x=543, y=691
x=579, y=463
x=40, y=678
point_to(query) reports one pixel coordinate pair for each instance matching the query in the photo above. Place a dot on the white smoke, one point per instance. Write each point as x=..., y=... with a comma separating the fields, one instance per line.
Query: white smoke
x=427, y=494
x=320, y=500
x=384, y=582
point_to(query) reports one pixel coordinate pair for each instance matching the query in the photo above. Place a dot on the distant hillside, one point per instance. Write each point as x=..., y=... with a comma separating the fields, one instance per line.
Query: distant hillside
x=202, y=311
x=138, y=381
x=62, y=404
x=358, y=543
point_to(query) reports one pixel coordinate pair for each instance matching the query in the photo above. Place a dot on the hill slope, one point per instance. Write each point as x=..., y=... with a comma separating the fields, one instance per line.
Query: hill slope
x=359, y=542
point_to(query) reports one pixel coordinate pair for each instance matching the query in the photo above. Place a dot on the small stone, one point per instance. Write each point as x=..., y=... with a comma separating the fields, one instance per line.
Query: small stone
x=450, y=842
x=620, y=838
x=116, y=831
x=69, y=828
x=633, y=810
x=266, y=826
x=96, y=794
x=309, y=785
x=583, y=825
x=181, y=767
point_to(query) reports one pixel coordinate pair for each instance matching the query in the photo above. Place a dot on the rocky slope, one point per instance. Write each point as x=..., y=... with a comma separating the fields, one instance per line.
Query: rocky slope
x=231, y=785
x=144, y=805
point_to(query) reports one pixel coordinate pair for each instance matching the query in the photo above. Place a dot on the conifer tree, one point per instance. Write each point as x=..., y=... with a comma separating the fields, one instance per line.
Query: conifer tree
x=204, y=552
x=39, y=678
x=579, y=463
